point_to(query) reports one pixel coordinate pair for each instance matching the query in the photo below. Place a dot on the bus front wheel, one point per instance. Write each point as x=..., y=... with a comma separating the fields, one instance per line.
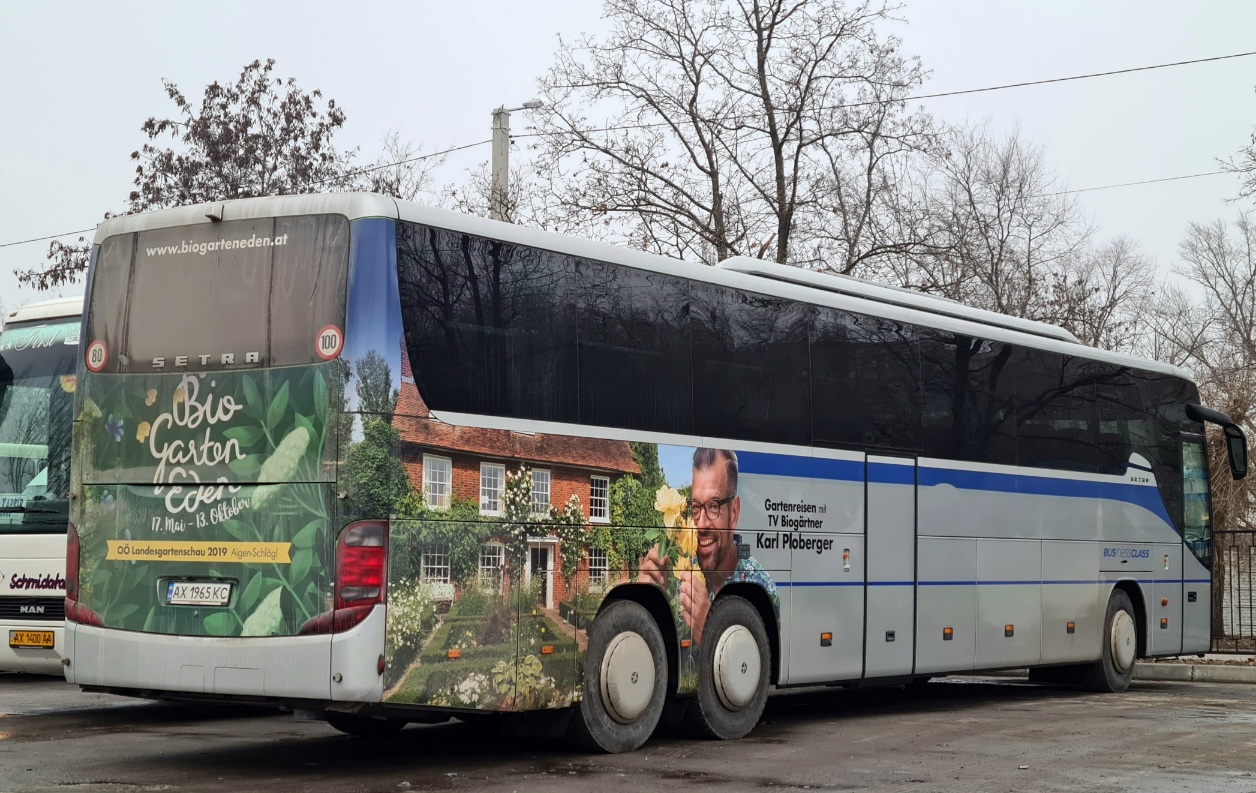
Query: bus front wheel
x=733, y=669
x=625, y=681
x=1115, y=668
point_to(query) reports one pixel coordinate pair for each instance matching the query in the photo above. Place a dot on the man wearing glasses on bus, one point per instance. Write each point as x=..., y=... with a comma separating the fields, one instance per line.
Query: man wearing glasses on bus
x=715, y=508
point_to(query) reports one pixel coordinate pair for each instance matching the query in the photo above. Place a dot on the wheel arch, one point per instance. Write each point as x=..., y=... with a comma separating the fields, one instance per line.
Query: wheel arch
x=652, y=600
x=1135, y=593
x=758, y=598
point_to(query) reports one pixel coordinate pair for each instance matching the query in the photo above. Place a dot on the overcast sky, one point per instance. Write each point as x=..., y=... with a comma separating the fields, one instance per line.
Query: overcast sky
x=80, y=79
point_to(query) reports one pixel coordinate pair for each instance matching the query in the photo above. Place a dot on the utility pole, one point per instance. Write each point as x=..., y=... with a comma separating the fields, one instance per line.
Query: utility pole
x=499, y=190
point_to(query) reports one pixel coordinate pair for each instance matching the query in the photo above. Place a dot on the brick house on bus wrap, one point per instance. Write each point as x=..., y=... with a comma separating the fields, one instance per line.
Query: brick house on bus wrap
x=445, y=461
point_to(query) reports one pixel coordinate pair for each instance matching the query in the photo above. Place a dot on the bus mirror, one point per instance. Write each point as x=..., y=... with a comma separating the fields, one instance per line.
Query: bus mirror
x=1236, y=447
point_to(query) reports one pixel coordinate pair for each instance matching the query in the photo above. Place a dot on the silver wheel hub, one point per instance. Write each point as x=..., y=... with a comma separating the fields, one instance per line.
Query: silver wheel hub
x=1124, y=641
x=737, y=667
x=627, y=677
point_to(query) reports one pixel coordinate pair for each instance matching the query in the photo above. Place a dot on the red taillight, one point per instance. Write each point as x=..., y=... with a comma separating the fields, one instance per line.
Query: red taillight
x=361, y=564
x=361, y=559
x=75, y=611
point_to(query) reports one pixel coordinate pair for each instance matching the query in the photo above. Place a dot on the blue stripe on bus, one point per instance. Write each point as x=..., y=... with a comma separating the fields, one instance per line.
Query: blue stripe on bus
x=886, y=474
x=883, y=473
x=1147, y=582
x=1139, y=495
x=808, y=467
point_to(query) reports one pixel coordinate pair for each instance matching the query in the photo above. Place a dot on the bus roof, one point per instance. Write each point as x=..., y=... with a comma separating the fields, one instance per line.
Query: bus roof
x=48, y=309
x=752, y=275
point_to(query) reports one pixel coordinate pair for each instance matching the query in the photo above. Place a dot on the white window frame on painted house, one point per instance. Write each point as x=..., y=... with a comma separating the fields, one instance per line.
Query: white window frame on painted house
x=492, y=557
x=490, y=499
x=605, y=509
x=599, y=568
x=437, y=489
x=434, y=563
x=540, y=505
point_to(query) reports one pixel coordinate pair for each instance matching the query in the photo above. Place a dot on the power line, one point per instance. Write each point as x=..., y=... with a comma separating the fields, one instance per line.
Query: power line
x=1134, y=184
x=370, y=168
x=1002, y=87
x=49, y=237
x=1085, y=76
x=320, y=181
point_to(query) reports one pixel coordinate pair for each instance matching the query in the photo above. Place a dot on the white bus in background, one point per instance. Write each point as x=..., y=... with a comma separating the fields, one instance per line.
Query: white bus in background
x=38, y=353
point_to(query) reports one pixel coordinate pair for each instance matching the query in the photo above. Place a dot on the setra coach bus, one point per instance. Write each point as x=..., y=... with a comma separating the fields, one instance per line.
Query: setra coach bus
x=38, y=357
x=380, y=463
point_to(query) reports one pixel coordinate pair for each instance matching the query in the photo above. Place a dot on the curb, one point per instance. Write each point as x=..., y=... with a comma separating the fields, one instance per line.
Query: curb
x=1183, y=673
x=1196, y=673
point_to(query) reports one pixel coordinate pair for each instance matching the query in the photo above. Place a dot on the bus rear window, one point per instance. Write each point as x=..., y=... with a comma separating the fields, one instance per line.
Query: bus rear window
x=228, y=295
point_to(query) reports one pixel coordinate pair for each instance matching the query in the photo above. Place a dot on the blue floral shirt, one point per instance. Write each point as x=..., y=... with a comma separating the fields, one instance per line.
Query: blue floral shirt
x=749, y=570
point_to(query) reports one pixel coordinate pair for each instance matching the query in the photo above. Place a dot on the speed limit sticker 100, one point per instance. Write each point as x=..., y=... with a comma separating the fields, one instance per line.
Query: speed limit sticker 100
x=97, y=356
x=330, y=341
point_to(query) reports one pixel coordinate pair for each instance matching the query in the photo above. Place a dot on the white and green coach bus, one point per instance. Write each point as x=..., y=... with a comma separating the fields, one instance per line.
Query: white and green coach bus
x=380, y=463
x=38, y=356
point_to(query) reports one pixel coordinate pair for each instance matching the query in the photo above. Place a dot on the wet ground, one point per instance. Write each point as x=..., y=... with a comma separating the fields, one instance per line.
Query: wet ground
x=954, y=735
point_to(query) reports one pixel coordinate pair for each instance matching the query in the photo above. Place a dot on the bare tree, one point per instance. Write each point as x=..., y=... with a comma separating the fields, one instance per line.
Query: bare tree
x=1243, y=164
x=262, y=135
x=1214, y=336
x=1015, y=231
x=402, y=170
x=1102, y=295
x=726, y=126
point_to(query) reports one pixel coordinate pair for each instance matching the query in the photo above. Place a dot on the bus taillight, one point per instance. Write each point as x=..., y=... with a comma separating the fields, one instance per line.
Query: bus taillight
x=361, y=562
x=75, y=611
x=361, y=557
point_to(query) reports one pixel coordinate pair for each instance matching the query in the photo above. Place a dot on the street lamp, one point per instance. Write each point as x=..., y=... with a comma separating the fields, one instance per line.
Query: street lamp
x=501, y=157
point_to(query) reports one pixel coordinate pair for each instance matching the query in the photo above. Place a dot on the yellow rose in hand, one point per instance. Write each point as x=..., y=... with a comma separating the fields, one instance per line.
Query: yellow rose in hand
x=670, y=503
x=685, y=537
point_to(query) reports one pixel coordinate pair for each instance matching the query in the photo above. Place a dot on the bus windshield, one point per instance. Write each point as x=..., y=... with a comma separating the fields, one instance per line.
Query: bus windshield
x=37, y=385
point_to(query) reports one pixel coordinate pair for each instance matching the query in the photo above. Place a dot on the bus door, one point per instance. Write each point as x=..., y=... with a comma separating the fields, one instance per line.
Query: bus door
x=1197, y=555
x=891, y=567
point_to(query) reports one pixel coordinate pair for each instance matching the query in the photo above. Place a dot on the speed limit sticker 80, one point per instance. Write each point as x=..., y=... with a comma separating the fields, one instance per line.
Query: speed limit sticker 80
x=330, y=341
x=97, y=356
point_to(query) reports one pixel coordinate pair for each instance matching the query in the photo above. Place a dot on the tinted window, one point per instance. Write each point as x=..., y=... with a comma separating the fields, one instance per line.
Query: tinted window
x=969, y=391
x=489, y=326
x=750, y=366
x=265, y=286
x=1166, y=397
x=1056, y=416
x=634, y=349
x=865, y=381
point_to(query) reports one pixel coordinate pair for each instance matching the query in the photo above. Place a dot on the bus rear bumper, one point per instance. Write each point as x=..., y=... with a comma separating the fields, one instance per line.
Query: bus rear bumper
x=32, y=660
x=341, y=667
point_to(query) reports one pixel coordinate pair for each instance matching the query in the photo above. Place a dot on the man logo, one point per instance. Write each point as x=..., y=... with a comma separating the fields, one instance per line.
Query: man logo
x=31, y=610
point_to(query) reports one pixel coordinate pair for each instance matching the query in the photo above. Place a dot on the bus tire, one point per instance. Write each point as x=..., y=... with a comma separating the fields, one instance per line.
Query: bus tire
x=364, y=726
x=733, y=671
x=1115, y=668
x=625, y=681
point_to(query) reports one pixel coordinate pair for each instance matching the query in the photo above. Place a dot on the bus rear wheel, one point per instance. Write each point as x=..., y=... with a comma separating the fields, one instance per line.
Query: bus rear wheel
x=1115, y=668
x=625, y=681
x=733, y=670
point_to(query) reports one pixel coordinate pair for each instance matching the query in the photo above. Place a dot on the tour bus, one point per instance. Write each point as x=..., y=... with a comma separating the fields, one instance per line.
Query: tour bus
x=38, y=357
x=380, y=463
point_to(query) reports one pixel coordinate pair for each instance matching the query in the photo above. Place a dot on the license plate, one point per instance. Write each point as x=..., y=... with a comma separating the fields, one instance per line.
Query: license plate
x=198, y=593
x=41, y=639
